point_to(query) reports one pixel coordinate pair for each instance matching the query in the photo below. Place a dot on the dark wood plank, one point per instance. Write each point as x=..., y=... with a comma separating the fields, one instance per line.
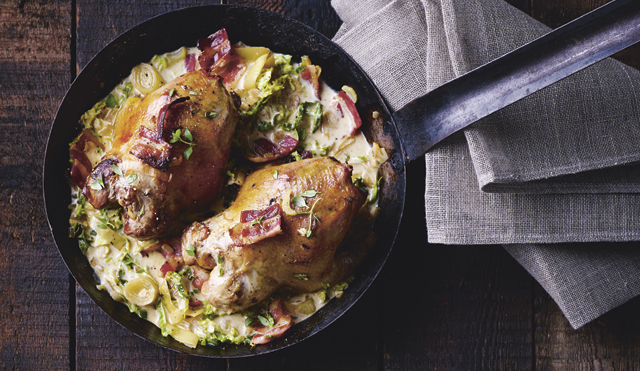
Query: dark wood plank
x=34, y=283
x=99, y=22
x=524, y=5
x=452, y=307
x=611, y=342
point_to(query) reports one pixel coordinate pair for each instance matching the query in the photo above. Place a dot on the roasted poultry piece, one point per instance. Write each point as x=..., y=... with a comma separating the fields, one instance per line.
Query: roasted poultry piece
x=169, y=153
x=282, y=231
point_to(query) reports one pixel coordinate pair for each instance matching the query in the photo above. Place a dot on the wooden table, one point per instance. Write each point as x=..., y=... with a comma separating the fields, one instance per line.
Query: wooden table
x=433, y=307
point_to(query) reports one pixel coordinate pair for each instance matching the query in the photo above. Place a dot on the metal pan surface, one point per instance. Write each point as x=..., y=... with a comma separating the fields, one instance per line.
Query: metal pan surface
x=254, y=27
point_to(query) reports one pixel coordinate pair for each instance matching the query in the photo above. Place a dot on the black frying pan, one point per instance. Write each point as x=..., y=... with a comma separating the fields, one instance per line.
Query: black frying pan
x=253, y=27
x=441, y=112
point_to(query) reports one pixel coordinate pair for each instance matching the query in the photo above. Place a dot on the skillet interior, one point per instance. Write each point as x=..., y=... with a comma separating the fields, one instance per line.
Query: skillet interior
x=254, y=27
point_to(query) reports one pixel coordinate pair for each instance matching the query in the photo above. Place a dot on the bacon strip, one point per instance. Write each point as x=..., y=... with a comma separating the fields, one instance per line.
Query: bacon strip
x=190, y=62
x=217, y=57
x=169, y=117
x=265, y=148
x=283, y=323
x=151, y=150
x=311, y=75
x=174, y=258
x=256, y=225
x=351, y=108
x=81, y=165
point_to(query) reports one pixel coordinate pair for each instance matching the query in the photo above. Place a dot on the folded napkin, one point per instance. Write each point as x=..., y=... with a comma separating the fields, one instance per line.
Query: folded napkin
x=556, y=167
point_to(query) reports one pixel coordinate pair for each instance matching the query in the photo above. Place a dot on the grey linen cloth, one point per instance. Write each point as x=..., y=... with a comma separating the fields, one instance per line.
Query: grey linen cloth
x=558, y=167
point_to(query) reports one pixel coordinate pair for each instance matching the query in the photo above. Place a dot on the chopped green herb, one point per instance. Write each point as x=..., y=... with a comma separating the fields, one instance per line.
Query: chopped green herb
x=188, y=152
x=187, y=135
x=178, y=136
x=221, y=272
x=132, y=178
x=263, y=321
x=309, y=193
x=299, y=69
x=97, y=184
x=219, y=259
x=172, y=92
x=296, y=155
x=301, y=276
x=141, y=213
x=298, y=201
x=191, y=92
x=191, y=251
x=275, y=174
x=248, y=321
x=265, y=126
x=116, y=169
x=211, y=114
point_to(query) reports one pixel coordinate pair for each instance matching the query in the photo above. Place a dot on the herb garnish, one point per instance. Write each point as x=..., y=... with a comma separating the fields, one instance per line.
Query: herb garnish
x=97, y=184
x=191, y=251
x=186, y=138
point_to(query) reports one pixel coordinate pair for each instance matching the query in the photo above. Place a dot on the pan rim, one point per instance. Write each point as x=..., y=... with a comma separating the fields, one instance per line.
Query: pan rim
x=228, y=352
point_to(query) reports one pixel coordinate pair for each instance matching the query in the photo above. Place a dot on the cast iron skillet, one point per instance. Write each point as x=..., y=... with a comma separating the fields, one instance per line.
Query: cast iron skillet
x=423, y=122
x=253, y=27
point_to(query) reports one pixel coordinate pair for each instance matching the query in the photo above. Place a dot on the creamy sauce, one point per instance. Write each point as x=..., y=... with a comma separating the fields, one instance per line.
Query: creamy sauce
x=116, y=258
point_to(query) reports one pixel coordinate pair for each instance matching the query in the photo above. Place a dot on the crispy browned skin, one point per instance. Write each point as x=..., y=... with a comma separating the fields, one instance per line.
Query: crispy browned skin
x=252, y=272
x=167, y=183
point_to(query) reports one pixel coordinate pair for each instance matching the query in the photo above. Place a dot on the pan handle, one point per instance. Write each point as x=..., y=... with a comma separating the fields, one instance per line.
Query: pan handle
x=453, y=106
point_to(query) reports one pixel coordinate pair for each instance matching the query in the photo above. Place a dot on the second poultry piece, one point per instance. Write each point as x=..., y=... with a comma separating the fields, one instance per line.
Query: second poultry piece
x=283, y=231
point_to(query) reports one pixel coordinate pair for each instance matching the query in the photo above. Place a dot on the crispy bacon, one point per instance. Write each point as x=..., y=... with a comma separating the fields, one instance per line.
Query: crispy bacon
x=201, y=276
x=256, y=225
x=172, y=255
x=190, y=62
x=282, y=320
x=218, y=57
x=169, y=117
x=312, y=75
x=166, y=268
x=81, y=164
x=268, y=150
x=351, y=108
x=153, y=151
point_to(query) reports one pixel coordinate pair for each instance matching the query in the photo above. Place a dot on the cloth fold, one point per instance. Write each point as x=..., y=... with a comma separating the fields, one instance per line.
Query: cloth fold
x=558, y=166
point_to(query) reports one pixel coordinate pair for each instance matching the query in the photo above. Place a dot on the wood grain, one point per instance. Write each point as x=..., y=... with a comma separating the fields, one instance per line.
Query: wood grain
x=34, y=284
x=434, y=307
